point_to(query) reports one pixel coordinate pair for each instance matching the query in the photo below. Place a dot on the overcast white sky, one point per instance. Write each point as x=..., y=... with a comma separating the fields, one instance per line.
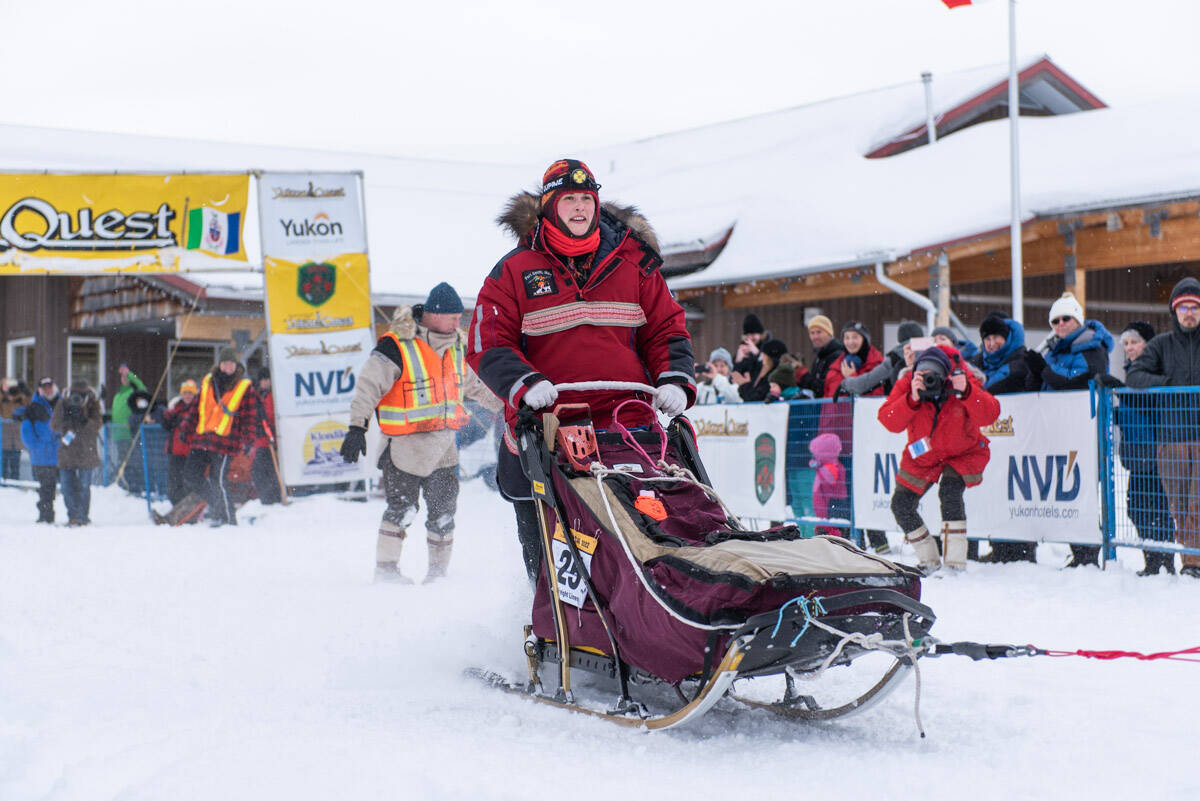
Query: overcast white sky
x=516, y=80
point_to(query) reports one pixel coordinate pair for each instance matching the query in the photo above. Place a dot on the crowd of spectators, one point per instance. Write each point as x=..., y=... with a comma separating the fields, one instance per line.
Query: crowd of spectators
x=62, y=434
x=1159, y=436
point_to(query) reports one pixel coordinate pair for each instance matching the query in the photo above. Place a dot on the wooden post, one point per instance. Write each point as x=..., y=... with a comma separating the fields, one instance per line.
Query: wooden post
x=1074, y=276
x=939, y=288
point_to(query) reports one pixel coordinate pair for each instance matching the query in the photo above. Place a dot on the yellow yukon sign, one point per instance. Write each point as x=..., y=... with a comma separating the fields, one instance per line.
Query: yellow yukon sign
x=318, y=296
x=88, y=223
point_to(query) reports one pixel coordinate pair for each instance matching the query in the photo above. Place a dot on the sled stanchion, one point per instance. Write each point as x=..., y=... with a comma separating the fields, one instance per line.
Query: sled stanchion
x=535, y=469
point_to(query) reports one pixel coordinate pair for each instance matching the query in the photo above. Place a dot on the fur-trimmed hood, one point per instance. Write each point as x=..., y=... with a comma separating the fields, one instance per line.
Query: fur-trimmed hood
x=521, y=214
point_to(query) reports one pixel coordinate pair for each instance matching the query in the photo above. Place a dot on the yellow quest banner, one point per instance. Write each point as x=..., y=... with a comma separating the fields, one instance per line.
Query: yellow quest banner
x=90, y=223
x=315, y=296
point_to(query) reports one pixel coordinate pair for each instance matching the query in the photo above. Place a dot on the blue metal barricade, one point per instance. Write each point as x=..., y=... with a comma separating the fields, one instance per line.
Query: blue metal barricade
x=1150, y=440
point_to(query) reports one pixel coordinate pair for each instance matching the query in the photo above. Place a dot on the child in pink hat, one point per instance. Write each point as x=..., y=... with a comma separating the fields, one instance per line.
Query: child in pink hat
x=830, y=481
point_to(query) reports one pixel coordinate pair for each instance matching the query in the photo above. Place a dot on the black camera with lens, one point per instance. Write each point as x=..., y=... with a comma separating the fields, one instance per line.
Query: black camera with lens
x=934, y=386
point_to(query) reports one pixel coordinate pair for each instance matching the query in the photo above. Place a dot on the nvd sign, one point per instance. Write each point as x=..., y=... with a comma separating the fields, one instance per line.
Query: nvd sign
x=1053, y=477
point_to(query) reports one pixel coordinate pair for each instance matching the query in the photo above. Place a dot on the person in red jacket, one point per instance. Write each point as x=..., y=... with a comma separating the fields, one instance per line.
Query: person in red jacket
x=179, y=442
x=263, y=472
x=580, y=298
x=941, y=407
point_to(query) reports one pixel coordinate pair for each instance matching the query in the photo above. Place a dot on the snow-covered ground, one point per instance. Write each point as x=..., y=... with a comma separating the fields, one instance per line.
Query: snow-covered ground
x=260, y=662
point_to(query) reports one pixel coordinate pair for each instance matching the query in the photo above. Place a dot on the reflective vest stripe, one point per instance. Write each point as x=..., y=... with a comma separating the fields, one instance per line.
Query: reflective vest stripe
x=213, y=418
x=428, y=394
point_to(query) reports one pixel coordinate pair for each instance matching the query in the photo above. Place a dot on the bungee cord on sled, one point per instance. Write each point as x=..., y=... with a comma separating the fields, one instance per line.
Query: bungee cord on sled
x=649, y=580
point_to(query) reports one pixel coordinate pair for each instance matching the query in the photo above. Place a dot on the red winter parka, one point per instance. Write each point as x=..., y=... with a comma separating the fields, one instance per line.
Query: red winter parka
x=534, y=322
x=179, y=442
x=952, y=429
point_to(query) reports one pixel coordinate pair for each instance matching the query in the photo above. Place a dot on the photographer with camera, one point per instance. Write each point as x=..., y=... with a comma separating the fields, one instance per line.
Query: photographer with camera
x=941, y=407
x=77, y=419
x=712, y=379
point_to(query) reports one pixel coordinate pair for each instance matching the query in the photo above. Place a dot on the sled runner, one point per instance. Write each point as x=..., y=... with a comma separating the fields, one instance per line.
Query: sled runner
x=649, y=581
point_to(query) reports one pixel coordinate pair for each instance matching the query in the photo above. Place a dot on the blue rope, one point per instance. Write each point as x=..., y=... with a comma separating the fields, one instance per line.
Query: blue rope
x=817, y=608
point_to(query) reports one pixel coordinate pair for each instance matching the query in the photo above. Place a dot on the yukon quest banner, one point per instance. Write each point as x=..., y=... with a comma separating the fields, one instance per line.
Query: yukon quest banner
x=1042, y=482
x=318, y=295
x=742, y=447
x=310, y=215
x=91, y=223
x=317, y=280
x=318, y=374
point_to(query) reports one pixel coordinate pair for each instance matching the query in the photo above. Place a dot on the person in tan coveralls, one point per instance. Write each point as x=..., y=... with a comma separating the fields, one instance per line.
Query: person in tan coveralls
x=414, y=383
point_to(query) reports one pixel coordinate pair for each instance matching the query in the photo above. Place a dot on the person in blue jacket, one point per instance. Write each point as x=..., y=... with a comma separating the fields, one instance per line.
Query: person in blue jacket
x=1075, y=353
x=42, y=443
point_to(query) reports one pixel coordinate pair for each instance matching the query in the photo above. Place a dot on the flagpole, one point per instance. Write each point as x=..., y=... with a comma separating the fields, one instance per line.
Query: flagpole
x=1014, y=115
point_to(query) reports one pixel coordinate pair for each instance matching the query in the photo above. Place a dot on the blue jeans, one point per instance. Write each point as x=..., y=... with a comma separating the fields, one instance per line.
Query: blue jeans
x=77, y=493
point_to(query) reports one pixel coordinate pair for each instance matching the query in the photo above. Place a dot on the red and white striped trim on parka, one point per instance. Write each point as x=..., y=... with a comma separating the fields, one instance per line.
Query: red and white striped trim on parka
x=570, y=315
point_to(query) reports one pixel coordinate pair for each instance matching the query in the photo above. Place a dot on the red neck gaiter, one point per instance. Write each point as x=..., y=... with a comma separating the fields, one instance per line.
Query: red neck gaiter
x=566, y=245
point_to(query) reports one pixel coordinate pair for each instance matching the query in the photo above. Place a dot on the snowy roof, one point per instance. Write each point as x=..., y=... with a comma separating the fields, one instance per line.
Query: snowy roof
x=795, y=186
x=801, y=196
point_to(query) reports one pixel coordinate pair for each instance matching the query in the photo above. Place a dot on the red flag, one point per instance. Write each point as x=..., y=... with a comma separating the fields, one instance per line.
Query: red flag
x=957, y=3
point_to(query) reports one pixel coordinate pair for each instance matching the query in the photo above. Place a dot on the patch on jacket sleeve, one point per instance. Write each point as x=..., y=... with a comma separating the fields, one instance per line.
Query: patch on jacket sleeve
x=539, y=282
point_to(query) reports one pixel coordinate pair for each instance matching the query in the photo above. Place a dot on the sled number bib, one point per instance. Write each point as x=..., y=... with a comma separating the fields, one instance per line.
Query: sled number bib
x=569, y=577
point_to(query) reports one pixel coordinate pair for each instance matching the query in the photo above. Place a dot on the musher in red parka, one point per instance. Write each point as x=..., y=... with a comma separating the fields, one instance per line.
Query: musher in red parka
x=580, y=298
x=941, y=407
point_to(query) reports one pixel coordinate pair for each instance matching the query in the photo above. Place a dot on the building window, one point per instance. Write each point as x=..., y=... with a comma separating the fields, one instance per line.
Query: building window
x=85, y=361
x=20, y=360
x=192, y=360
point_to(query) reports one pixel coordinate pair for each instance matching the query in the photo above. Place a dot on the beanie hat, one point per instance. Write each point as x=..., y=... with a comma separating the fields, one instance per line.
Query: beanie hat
x=1186, y=291
x=784, y=376
x=907, y=330
x=263, y=373
x=443, y=300
x=188, y=386
x=752, y=325
x=934, y=360
x=229, y=354
x=563, y=177
x=80, y=385
x=1068, y=306
x=859, y=329
x=774, y=348
x=721, y=355
x=822, y=322
x=1143, y=330
x=945, y=331
x=995, y=323
x=824, y=447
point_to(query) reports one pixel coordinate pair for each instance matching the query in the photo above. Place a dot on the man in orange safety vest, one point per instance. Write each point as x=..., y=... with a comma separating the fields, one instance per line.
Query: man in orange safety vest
x=414, y=384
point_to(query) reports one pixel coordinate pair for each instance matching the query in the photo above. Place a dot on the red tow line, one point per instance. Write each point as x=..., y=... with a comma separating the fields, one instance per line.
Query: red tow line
x=1178, y=656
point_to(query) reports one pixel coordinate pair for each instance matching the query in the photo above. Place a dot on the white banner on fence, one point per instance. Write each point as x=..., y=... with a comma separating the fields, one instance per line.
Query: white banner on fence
x=310, y=215
x=317, y=373
x=1042, y=482
x=742, y=447
x=309, y=450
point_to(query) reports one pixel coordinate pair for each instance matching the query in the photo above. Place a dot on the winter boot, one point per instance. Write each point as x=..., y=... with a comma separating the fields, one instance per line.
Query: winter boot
x=954, y=539
x=439, y=557
x=877, y=541
x=1156, y=561
x=1084, y=555
x=928, y=560
x=388, y=548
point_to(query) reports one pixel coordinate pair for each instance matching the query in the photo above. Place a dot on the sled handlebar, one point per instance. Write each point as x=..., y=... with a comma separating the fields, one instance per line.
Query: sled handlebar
x=591, y=386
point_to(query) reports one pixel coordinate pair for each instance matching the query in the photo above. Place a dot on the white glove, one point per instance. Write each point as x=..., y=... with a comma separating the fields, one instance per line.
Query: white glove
x=540, y=395
x=670, y=400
